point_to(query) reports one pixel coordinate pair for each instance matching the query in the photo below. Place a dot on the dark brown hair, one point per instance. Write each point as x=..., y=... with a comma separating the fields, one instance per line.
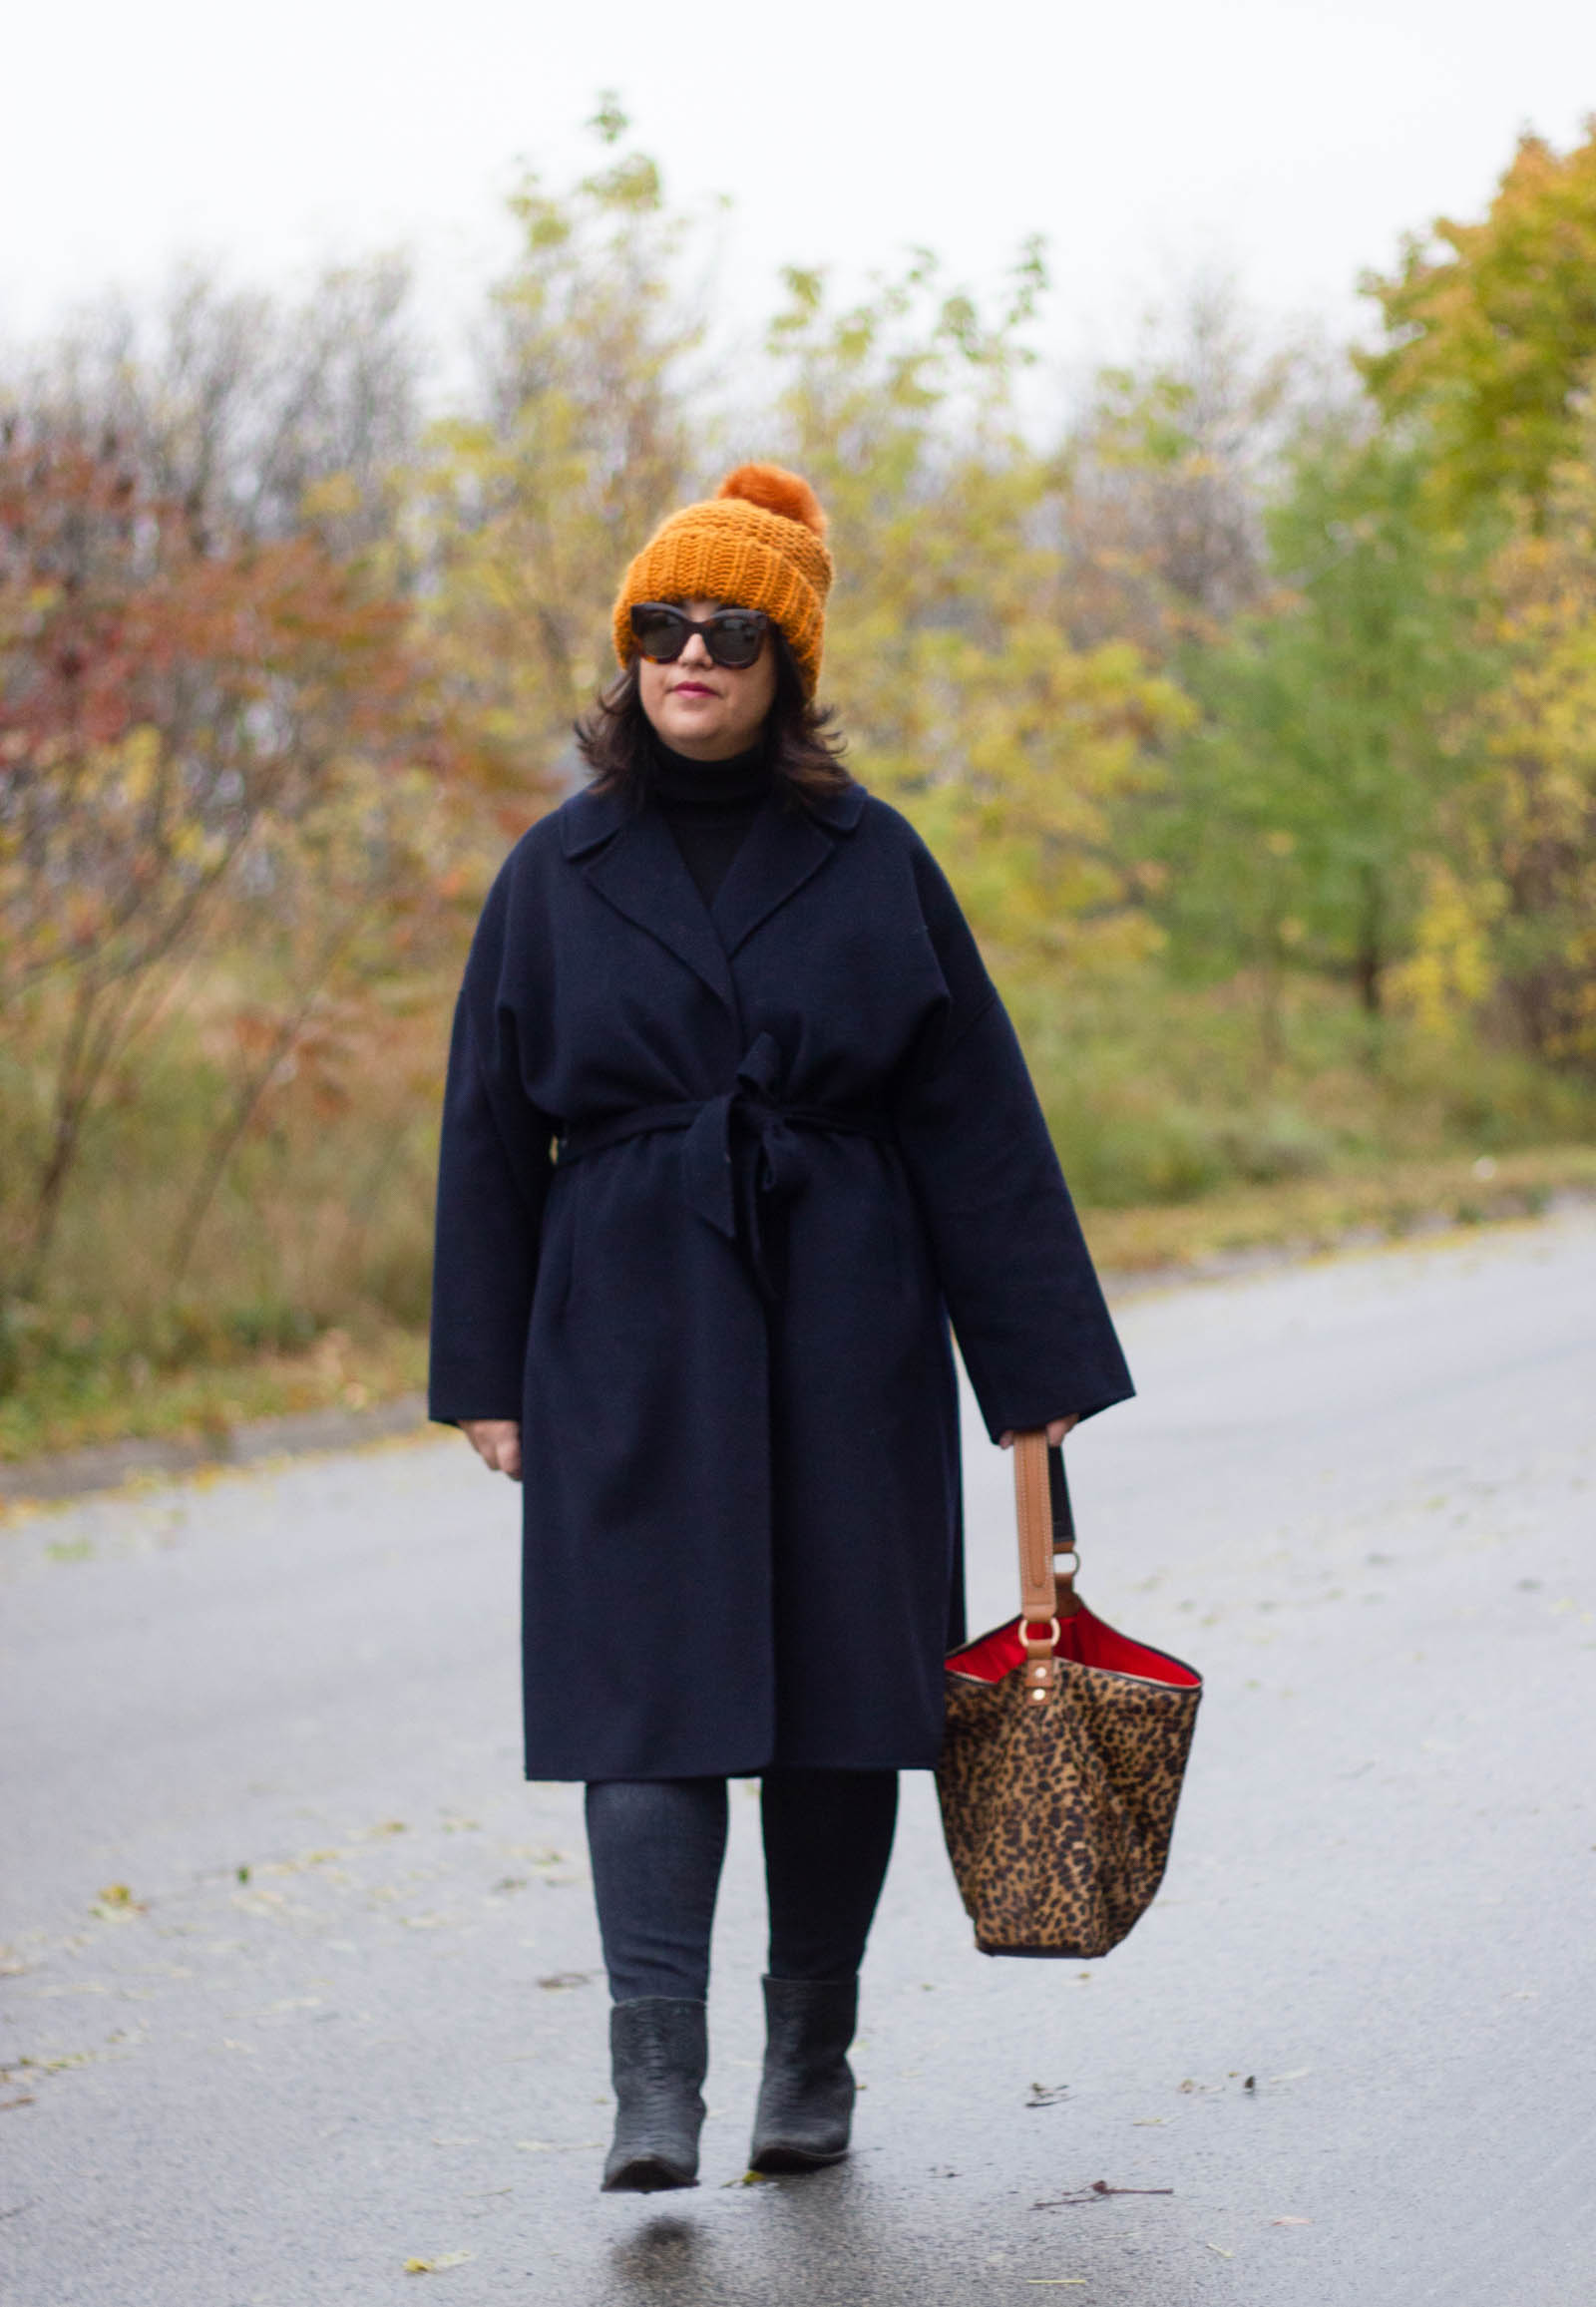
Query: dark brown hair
x=614, y=736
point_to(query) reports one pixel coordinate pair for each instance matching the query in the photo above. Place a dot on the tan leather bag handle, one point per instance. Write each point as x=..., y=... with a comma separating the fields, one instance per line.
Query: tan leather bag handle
x=1034, y=1513
x=1046, y=1527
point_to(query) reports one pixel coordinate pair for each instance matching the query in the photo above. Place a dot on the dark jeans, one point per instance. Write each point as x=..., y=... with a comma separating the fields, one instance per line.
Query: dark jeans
x=657, y=1846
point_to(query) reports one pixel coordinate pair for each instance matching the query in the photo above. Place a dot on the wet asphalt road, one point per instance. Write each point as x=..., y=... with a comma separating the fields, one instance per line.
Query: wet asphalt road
x=347, y=2013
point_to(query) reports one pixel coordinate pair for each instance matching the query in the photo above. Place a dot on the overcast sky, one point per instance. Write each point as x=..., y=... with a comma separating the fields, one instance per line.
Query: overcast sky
x=1290, y=142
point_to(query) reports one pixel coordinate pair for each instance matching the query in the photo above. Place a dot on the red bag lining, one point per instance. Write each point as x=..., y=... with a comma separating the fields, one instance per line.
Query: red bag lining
x=1084, y=1640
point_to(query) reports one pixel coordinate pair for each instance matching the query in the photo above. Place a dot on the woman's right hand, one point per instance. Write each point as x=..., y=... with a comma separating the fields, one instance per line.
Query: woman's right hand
x=497, y=1441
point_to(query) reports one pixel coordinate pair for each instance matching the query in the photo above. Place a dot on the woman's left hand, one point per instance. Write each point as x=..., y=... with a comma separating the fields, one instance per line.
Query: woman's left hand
x=1056, y=1430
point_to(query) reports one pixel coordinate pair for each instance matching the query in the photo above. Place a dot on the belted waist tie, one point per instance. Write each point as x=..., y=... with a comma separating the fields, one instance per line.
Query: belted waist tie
x=744, y=1150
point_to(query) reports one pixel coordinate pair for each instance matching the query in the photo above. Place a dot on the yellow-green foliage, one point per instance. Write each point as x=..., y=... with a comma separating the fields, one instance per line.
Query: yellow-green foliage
x=1492, y=331
x=1493, y=357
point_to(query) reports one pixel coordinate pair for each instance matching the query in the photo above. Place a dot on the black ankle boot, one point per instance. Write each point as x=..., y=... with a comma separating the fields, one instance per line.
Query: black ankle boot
x=806, y=2099
x=658, y=2053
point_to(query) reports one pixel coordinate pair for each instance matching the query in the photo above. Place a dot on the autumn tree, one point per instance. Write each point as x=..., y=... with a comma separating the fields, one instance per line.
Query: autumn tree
x=1169, y=469
x=965, y=702
x=182, y=728
x=1489, y=364
x=1492, y=332
x=1334, y=728
x=253, y=415
x=1511, y=917
x=581, y=443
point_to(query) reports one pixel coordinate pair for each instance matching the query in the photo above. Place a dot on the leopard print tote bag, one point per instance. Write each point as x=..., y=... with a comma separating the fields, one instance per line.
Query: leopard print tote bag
x=1064, y=1751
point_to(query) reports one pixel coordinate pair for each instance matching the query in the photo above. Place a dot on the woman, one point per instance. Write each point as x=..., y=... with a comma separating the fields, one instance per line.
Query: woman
x=734, y=1123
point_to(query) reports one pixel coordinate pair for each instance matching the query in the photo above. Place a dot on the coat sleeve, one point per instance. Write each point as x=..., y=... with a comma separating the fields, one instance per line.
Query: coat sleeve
x=494, y=1169
x=1014, y=1269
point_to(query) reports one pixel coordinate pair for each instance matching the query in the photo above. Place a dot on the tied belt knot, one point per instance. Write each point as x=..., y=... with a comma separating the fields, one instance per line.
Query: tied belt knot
x=743, y=1156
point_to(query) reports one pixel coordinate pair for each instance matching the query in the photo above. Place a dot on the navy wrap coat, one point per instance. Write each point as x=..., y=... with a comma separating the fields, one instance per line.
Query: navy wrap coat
x=713, y=1181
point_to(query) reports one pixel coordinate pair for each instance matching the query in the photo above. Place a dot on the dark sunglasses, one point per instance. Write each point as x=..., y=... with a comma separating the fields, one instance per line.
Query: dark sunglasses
x=733, y=636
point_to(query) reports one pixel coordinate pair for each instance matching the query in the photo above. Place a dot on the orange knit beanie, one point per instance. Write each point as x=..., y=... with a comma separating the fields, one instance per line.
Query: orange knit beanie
x=758, y=543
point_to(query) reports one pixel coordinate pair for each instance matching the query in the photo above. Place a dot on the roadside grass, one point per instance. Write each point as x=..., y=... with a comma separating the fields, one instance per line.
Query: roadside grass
x=63, y=1404
x=114, y=1400
x=1302, y=1215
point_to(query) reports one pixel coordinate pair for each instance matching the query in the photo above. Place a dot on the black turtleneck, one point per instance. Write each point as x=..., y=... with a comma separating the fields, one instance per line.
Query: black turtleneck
x=709, y=806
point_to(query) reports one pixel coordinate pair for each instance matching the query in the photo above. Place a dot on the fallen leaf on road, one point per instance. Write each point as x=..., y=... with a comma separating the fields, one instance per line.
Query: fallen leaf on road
x=558, y=1979
x=1046, y=2093
x=436, y=2267
x=117, y=1899
x=6, y=2104
x=1220, y=2248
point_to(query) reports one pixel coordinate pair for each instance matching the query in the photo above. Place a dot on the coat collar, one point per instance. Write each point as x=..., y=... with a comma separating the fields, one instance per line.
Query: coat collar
x=633, y=863
x=588, y=818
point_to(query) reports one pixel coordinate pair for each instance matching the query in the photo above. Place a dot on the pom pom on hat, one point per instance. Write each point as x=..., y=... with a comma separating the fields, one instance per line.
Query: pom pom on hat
x=758, y=543
x=778, y=490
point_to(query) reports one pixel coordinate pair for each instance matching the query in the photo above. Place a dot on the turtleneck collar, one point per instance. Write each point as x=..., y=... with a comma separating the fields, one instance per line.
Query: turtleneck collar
x=736, y=782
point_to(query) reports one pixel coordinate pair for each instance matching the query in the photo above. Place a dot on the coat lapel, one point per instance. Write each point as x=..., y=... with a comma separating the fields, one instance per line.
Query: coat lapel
x=784, y=846
x=642, y=873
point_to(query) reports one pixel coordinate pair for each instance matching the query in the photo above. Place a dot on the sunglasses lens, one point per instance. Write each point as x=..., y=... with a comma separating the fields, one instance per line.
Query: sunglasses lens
x=660, y=633
x=733, y=636
x=735, y=639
